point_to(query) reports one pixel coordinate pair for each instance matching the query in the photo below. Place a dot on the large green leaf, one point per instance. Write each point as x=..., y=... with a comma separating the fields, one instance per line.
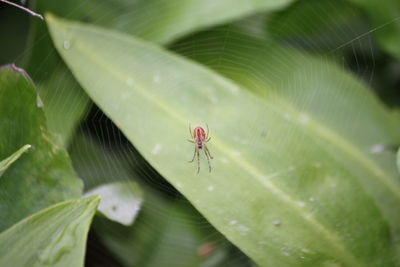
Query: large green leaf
x=274, y=191
x=385, y=23
x=5, y=163
x=55, y=236
x=333, y=107
x=43, y=176
x=156, y=20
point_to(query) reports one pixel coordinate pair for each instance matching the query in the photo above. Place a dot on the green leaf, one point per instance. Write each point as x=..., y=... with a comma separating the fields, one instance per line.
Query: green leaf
x=44, y=176
x=55, y=236
x=302, y=25
x=265, y=193
x=318, y=110
x=165, y=21
x=65, y=104
x=120, y=201
x=385, y=24
x=4, y=164
x=358, y=141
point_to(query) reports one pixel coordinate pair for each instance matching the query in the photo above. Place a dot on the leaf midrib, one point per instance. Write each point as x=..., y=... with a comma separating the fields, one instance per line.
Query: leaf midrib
x=325, y=133
x=307, y=216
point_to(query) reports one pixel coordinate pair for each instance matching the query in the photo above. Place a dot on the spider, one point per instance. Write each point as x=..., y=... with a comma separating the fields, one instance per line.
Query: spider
x=200, y=138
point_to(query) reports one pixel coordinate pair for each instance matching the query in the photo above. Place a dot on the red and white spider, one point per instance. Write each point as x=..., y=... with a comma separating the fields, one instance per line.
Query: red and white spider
x=200, y=138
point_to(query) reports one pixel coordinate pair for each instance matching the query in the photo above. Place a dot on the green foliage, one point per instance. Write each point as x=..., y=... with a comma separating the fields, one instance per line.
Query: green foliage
x=55, y=236
x=384, y=21
x=301, y=98
x=156, y=240
x=44, y=175
x=65, y=102
x=303, y=25
x=291, y=179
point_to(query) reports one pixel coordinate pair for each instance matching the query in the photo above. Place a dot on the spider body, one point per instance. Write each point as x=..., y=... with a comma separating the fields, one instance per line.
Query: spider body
x=200, y=138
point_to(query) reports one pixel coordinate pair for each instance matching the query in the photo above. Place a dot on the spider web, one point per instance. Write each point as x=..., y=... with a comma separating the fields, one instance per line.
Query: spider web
x=334, y=30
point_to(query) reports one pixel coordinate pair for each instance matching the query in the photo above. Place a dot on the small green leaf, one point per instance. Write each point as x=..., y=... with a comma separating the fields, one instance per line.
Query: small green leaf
x=44, y=176
x=55, y=236
x=265, y=193
x=4, y=164
x=120, y=201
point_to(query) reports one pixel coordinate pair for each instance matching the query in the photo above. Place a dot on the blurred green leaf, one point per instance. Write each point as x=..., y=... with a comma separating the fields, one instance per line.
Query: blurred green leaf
x=97, y=164
x=4, y=164
x=385, y=23
x=166, y=233
x=65, y=103
x=164, y=21
x=275, y=190
x=303, y=24
x=120, y=201
x=44, y=175
x=55, y=236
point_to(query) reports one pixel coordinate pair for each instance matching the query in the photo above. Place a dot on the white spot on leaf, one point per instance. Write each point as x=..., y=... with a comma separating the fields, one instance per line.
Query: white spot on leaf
x=235, y=153
x=67, y=44
x=156, y=149
x=243, y=229
x=304, y=118
x=300, y=203
x=276, y=223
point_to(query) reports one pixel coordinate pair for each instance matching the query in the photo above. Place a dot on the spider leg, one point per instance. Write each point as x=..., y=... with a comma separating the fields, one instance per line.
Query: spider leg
x=208, y=151
x=191, y=141
x=208, y=139
x=208, y=131
x=194, y=155
x=198, y=161
x=190, y=131
x=208, y=159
